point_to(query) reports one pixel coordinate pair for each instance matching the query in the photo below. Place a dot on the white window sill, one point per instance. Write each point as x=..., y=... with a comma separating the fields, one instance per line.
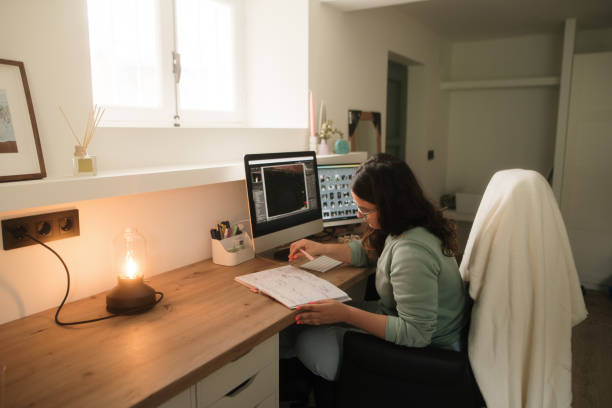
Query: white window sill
x=49, y=191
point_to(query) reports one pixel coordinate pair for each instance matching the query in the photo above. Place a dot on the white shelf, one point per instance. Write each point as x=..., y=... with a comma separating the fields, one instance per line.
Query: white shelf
x=49, y=191
x=500, y=83
x=456, y=216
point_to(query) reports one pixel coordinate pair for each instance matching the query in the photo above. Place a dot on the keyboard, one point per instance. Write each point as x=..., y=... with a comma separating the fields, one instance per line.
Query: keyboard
x=321, y=264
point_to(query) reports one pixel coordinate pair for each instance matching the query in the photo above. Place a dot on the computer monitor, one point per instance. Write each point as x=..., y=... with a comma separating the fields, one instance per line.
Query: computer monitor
x=337, y=202
x=283, y=195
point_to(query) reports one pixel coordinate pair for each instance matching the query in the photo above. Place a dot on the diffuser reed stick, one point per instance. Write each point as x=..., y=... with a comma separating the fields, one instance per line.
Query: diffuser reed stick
x=85, y=164
x=93, y=121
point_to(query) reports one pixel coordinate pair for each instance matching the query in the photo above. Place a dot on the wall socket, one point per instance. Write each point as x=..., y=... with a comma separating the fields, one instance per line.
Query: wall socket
x=44, y=227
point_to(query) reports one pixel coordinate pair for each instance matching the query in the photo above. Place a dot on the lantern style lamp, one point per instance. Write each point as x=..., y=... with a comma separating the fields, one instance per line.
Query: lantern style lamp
x=131, y=295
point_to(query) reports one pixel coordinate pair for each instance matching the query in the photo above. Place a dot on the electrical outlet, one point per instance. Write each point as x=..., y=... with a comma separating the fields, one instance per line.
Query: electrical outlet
x=44, y=227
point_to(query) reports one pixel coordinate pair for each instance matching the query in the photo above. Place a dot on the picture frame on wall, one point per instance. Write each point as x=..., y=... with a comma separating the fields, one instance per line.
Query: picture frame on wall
x=21, y=155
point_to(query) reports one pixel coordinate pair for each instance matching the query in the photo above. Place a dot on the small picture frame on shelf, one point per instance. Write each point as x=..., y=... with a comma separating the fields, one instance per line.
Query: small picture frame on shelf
x=20, y=151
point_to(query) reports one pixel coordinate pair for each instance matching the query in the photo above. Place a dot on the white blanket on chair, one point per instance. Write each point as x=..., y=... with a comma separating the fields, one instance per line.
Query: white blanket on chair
x=526, y=293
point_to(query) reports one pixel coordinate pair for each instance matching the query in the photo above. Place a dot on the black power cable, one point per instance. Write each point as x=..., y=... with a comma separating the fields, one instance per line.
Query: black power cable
x=21, y=234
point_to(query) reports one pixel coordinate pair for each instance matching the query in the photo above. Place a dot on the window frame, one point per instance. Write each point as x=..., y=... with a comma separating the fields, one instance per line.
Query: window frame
x=170, y=111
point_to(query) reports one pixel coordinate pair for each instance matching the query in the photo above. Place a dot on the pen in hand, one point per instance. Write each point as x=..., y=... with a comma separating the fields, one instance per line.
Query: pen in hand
x=307, y=255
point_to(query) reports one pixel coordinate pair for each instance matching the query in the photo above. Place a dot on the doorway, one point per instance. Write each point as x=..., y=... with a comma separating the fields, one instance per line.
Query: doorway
x=397, y=92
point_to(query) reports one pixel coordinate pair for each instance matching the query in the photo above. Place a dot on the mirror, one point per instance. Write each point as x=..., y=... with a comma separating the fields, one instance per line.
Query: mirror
x=364, y=132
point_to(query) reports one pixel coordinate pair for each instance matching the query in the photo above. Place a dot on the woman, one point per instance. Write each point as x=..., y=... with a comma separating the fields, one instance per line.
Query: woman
x=421, y=292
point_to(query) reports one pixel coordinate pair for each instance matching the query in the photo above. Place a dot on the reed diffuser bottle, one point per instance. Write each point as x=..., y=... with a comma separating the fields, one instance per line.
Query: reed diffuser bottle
x=84, y=164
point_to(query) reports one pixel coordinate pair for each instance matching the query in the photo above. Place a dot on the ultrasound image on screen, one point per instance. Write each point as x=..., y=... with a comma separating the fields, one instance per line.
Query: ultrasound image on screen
x=285, y=189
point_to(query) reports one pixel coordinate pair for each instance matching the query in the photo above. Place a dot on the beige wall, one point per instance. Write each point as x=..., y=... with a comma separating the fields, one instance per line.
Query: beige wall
x=50, y=37
x=588, y=41
x=500, y=128
x=347, y=68
x=493, y=129
x=586, y=192
x=175, y=224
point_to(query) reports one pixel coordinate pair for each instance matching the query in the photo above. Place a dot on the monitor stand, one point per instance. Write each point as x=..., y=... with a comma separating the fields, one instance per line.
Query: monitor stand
x=282, y=254
x=276, y=254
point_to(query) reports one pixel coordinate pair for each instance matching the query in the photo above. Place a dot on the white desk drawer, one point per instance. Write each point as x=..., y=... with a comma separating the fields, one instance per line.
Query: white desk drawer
x=248, y=367
x=186, y=399
x=267, y=403
x=251, y=393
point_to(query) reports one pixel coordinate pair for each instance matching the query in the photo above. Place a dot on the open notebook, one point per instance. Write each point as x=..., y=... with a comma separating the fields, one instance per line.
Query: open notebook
x=292, y=286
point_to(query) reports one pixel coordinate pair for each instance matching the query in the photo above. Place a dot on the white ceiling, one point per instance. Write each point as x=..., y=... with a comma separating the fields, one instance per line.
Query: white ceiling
x=473, y=19
x=353, y=5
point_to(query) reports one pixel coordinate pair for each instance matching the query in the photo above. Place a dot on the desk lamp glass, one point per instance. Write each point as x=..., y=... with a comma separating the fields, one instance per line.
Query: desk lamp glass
x=131, y=295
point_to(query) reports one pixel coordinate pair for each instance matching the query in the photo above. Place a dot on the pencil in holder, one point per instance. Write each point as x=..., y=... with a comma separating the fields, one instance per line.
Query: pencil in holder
x=233, y=250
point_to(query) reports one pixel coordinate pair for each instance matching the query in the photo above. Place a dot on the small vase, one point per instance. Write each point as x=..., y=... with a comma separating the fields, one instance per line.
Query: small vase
x=341, y=147
x=323, y=148
x=83, y=164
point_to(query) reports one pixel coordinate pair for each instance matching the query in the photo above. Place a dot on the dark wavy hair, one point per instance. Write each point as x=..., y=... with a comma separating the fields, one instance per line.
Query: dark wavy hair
x=390, y=184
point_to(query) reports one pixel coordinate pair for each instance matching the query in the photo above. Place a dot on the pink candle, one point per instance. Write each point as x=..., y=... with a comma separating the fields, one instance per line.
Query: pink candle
x=312, y=118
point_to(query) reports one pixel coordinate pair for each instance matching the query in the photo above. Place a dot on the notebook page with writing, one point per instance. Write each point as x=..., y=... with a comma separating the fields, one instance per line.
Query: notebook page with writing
x=292, y=286
x=321, y=264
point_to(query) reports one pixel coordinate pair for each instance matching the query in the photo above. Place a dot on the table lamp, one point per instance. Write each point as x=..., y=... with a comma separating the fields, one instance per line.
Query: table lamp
x=131, y=295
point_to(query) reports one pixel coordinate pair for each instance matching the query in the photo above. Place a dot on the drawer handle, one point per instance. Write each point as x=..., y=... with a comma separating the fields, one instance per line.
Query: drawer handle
x=241, y=387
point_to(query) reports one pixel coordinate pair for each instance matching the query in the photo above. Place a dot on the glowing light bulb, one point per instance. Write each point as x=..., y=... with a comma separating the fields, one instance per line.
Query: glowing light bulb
x=131, y=267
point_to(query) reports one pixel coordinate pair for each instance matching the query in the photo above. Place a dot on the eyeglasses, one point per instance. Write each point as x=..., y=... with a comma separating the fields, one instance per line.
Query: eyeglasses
x=364, y=213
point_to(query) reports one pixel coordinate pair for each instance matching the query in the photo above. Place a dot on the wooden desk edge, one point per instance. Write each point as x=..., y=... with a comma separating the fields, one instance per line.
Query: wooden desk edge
x=343, y=277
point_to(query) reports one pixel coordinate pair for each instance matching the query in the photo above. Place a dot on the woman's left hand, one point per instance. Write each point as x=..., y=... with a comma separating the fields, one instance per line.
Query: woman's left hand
x=322, y=312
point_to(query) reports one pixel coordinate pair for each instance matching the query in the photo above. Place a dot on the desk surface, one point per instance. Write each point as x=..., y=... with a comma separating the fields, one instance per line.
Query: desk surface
x=205, y=320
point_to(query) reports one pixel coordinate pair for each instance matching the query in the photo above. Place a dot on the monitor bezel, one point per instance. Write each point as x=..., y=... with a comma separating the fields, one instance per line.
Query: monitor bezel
x=290, y=221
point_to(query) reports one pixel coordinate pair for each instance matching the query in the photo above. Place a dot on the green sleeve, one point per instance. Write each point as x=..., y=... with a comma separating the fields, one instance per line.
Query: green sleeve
x=414, y=277
x=358, y=254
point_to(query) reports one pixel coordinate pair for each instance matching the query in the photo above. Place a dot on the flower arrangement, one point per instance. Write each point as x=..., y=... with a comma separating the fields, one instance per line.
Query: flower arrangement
x=328, y=130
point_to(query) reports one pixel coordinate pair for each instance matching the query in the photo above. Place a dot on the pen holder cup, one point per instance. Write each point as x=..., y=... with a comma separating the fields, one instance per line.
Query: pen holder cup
x=233, y=250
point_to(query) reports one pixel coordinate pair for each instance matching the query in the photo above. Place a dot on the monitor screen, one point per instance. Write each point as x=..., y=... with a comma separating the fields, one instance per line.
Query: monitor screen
x=283, y=194
x=337, y=202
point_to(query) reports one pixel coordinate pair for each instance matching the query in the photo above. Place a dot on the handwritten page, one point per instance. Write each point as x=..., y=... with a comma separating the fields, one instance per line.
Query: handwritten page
x=292, y=286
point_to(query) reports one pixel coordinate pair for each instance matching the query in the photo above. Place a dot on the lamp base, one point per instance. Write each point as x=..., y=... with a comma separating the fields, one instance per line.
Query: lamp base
x=130, y=296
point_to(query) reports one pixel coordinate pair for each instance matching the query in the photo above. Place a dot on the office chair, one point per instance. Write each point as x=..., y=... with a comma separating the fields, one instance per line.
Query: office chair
x=378, y=373
x=526, y=297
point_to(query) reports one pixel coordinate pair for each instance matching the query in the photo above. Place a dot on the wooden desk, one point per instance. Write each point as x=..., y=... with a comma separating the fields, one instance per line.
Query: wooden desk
x=205, y=321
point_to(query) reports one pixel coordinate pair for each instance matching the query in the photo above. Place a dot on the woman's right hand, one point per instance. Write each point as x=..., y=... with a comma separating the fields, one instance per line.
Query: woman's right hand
x=312, y=247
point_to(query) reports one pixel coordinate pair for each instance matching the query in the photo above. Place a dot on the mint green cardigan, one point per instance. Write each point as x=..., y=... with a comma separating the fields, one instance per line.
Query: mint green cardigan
x=420, y=289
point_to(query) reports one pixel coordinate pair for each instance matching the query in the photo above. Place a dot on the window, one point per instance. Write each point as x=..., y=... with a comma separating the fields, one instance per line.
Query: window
x=167, y=62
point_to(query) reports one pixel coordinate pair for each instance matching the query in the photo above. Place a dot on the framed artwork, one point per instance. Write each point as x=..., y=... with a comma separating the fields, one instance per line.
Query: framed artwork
x=364, y=132
x=20, y=153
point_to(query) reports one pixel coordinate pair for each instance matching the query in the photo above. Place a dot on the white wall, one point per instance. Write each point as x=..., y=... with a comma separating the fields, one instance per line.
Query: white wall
x=277, y=63
x=348, y=70
x=502, y=58
x=175, y=223
x=494, y=129
x=588, y=41
x=586, y=197
x=586, y=192
x=50, y=37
